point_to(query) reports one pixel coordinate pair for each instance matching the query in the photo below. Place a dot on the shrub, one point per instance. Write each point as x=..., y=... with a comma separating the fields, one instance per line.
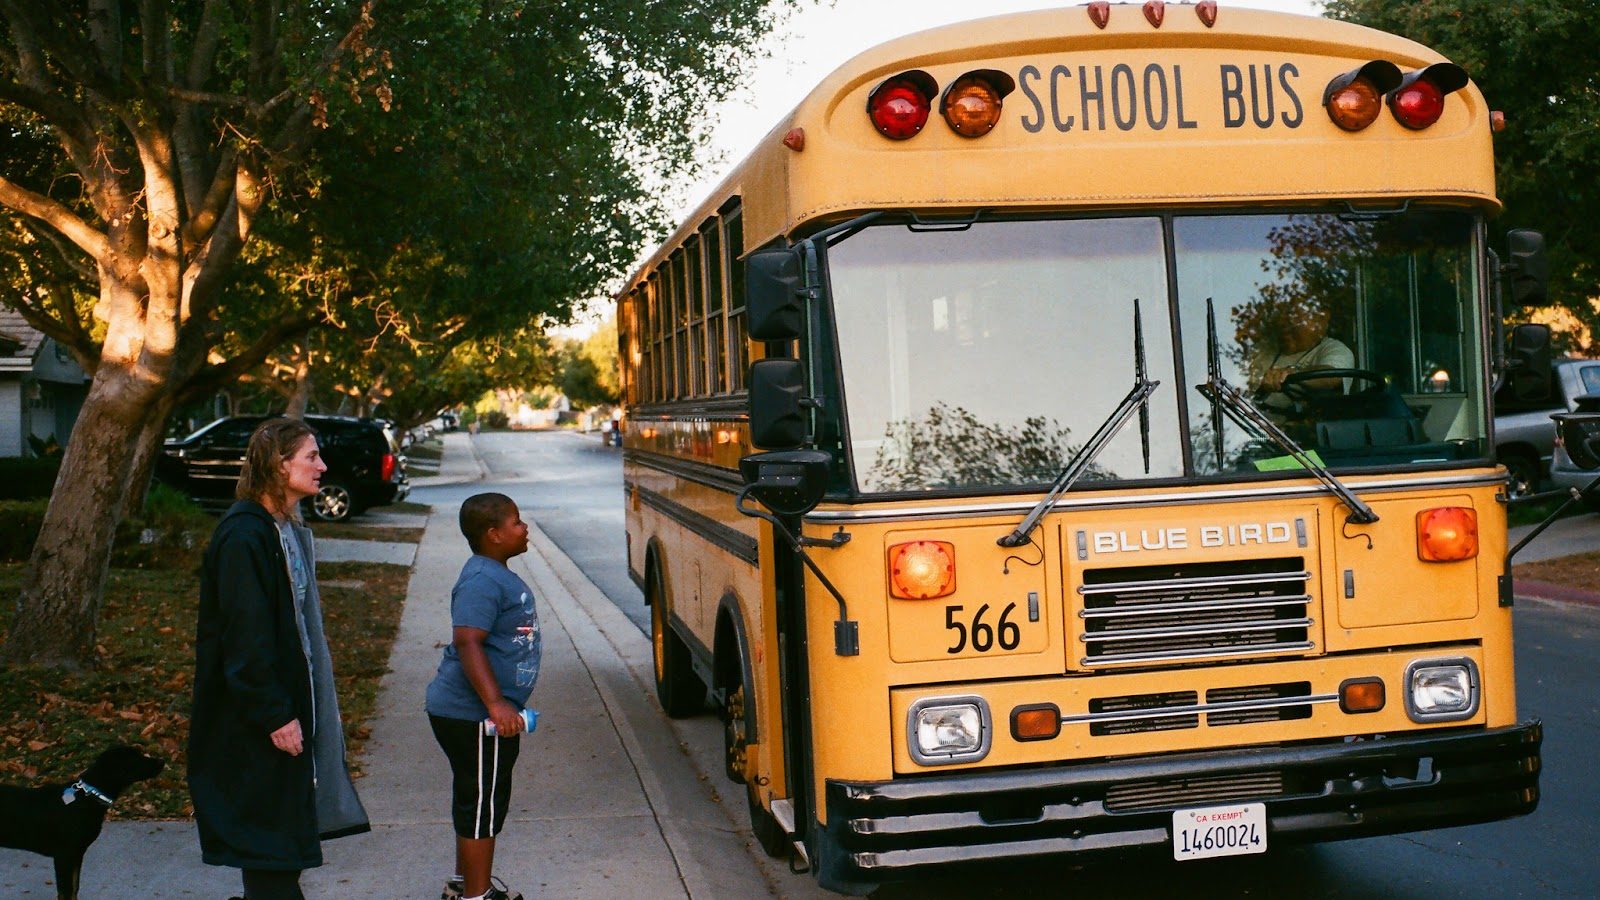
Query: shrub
x=28, y=477
x=494, y=418
x=170, y=532
x=19, y=527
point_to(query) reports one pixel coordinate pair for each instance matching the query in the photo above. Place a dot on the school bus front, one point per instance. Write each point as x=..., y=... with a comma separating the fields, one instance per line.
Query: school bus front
x=1161, y=508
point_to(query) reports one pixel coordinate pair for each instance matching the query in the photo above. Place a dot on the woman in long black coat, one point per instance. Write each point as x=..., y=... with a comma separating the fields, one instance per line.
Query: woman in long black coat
x=266, y=747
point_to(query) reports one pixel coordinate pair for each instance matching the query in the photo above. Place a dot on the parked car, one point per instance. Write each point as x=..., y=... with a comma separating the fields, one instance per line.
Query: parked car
x=365, y=465
x=1567, y=475
x=1525, y=435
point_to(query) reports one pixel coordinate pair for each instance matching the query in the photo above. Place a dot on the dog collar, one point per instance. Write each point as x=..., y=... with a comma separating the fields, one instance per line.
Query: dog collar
x=88, y=790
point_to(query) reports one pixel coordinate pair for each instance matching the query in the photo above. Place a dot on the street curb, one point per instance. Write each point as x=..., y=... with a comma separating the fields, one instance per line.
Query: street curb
x=1544, y=590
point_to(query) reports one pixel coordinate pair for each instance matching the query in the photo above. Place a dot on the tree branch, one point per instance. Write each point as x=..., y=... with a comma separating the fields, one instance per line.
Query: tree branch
x=213, y=377
x=53, y=214
x=105, y=33
x=207, y=37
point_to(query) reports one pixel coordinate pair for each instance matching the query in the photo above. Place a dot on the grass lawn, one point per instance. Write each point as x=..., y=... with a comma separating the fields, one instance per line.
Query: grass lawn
x=1580, y=571
x=52, y=724
x=430, y=449
x=355, y=531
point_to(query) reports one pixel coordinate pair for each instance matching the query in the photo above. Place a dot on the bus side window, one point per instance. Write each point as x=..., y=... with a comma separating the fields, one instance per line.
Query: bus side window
x=738, y=341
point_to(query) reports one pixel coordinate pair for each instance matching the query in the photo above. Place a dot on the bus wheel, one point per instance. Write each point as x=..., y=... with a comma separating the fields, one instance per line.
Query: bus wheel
x=677, y=687
x=768, y=833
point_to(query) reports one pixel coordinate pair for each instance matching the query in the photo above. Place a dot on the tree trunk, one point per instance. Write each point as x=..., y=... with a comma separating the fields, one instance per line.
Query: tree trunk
x=65, y=578
x=146, y=450
x=300, y=396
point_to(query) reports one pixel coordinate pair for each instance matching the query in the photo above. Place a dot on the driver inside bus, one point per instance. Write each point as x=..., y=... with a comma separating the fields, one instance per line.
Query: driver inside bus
x=1300, y=343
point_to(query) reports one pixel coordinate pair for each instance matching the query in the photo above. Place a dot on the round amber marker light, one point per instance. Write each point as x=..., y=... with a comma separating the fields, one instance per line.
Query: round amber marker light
x=922, y=570
x=972, y=107
x=1355, y=106
x=1447, y=534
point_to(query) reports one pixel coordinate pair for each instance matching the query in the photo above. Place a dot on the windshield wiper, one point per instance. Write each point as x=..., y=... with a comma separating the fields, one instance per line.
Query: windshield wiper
x=1228, y=400
x=1138, y=399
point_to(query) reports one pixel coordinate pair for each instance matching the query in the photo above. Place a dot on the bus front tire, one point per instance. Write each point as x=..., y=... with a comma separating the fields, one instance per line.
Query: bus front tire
x=677, y=687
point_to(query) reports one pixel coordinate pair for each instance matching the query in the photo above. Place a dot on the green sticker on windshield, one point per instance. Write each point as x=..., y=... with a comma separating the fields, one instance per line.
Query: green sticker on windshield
x=1285, y=463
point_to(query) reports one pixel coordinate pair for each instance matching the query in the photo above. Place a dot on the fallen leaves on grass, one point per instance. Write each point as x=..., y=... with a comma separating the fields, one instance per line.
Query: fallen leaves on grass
x=53, y=723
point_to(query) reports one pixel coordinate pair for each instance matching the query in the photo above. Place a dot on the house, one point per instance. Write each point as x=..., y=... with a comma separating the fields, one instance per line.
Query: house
x=41, y=387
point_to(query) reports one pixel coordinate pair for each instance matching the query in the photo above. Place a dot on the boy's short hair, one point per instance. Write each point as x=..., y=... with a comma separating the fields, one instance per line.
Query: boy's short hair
x=481, y=512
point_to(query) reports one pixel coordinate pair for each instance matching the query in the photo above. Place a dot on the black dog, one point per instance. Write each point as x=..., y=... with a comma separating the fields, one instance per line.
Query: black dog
x=62, y=820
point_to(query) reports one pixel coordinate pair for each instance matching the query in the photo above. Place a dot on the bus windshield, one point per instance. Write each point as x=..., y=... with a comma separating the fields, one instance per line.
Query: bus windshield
x=981, y=358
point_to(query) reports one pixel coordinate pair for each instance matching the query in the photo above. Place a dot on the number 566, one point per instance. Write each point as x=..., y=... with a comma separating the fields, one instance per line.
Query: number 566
x=982, y=634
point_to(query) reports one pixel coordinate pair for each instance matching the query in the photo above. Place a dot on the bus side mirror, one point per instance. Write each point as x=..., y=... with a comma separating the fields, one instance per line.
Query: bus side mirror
x=773, y=295
x=1528, y=369
x=788, y=482
x=777, y=403
x=1580, y=436
x=1527, y=270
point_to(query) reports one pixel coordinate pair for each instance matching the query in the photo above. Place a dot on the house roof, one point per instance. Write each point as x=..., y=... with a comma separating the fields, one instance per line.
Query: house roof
x=19, y=341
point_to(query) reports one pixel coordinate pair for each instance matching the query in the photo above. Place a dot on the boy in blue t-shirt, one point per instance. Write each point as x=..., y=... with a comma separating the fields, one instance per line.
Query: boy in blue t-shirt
x=486, y=675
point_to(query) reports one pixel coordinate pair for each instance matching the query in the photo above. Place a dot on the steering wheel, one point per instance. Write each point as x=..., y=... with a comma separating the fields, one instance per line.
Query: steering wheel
x=1295, y=385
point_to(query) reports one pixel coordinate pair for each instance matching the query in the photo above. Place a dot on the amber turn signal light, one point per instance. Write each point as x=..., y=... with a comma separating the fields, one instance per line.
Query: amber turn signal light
x=1354, y=99
x=1039, y=722
x=922, y=570
x=971, y=105
x=1447, y=534
x=1361, y=695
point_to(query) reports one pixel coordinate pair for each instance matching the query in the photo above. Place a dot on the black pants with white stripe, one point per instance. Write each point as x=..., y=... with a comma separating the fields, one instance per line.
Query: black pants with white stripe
x=480, y=767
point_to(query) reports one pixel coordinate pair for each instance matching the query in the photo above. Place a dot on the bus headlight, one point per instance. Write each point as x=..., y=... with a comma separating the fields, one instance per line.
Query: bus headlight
x=1441, y=690
x=943, y=730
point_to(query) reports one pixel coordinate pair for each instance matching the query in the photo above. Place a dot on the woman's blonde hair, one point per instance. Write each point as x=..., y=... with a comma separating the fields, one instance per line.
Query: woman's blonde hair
x=273, y=443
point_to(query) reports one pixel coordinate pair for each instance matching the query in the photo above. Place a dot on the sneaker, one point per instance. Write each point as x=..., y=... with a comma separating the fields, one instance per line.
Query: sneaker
x=454, y=889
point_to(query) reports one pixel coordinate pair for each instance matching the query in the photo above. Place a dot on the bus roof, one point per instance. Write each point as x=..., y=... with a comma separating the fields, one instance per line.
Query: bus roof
x=1126, y=116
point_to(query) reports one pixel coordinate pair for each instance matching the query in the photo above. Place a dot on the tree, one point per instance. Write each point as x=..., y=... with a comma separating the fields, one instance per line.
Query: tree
x=589, y=375
x=1537, y=61
x=187, y=184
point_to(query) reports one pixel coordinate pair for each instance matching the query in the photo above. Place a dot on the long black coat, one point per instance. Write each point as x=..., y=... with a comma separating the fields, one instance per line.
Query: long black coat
x=256, y=806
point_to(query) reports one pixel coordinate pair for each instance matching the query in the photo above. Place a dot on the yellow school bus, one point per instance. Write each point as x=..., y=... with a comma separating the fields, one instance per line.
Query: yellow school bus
x=1068, y=432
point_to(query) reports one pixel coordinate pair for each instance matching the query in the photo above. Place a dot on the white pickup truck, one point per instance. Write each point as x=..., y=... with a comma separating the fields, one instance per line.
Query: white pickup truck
x=1524, y=435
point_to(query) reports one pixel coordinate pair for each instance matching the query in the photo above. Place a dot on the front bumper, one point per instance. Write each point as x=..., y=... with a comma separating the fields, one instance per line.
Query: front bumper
x=878, y=831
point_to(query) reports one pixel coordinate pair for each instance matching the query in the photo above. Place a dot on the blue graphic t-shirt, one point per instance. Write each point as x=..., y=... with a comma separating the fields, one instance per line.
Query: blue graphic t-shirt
x=490, y=597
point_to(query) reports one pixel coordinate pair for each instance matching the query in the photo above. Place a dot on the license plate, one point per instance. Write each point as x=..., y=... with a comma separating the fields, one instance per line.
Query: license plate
x=1219, y=831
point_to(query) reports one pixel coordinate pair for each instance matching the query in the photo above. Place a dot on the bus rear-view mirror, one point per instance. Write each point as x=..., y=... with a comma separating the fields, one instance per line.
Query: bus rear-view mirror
x=1528, y=362
x=788, y=482
x=1528, y=271
x=777, y=403
x=774, y=282
x=1580, y=437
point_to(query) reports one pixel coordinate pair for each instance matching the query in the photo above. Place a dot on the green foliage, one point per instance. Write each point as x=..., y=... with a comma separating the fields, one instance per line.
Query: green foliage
x=495, y=418
x=1538, y=61
x=589, y=375
x=950, y=448
x=19, y=527
x=28, y=477
x=169, y=533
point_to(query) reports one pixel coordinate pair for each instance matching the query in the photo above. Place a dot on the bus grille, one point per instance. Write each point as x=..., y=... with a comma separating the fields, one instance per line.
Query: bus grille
x=1194, y=792
x=1157, y=614
x=1175, y=710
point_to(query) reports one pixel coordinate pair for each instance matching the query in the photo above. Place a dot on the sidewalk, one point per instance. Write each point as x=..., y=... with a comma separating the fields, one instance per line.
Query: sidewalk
x=608, y=800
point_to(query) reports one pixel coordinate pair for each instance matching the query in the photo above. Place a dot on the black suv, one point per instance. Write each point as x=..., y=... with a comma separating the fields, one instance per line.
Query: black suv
x=365, y=467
